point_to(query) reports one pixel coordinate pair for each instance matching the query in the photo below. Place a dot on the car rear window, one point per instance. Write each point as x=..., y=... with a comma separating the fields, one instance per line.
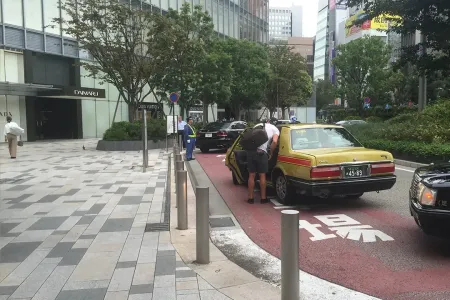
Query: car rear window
x=316, y=138
x=216, y=126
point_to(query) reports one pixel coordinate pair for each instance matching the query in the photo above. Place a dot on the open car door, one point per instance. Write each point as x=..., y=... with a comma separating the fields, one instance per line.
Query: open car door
x=237, y=162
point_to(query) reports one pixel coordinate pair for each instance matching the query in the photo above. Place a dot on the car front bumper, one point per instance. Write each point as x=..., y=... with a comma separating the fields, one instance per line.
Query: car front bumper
x=214, y=143
x=343, y=186
x=429, y=217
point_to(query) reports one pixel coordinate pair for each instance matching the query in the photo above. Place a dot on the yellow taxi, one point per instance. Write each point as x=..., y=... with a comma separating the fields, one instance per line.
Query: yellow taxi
x=318, y=160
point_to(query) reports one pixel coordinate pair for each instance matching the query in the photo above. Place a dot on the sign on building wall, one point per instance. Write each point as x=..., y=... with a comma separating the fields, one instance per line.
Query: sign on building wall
x=337, y=4
x=379, y=23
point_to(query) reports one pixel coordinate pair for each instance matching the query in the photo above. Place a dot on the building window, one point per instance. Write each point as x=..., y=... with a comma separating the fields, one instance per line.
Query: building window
x=33, y=14
x=51, y=11
x=13, y=12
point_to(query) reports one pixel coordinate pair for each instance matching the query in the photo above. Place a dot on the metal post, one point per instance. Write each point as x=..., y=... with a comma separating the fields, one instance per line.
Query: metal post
x=179, y=165
x=289, y=255
x=202, y=224
x=144, y=142
x=423, y=77
x=145, y=139
x=182, y=200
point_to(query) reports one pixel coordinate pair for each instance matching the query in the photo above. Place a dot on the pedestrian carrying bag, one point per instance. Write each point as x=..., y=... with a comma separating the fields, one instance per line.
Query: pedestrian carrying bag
x=253, y=138
x=16, y=130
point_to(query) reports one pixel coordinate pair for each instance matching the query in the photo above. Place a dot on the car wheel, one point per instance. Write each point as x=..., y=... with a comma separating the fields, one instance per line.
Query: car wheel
x=283, y=190
x=355, y=196
x=204, y=149
x=235, y=181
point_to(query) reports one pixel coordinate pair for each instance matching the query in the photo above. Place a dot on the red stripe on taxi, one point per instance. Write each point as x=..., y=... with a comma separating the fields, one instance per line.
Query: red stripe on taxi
x=295, y=161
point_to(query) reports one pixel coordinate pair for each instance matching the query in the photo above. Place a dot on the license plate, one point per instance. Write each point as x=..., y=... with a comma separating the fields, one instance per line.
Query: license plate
x=208, y=134
x=357, y=171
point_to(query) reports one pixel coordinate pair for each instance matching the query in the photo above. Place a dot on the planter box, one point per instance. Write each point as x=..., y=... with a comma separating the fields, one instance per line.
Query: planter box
x=132, y=145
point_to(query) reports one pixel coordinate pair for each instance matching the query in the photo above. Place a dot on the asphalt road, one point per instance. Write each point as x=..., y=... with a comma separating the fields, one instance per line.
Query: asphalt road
x=381, y=253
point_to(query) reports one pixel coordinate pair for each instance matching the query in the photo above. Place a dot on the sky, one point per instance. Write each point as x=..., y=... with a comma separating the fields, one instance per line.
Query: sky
x=310, y=8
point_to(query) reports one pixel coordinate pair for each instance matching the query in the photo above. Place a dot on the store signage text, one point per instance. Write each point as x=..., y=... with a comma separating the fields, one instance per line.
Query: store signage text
x=345, y=227
x=85, y=93
x=5, y=114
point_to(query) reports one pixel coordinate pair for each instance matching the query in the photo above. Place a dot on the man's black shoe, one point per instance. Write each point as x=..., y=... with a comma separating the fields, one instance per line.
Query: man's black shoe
x=264, y=201
x=251, y=201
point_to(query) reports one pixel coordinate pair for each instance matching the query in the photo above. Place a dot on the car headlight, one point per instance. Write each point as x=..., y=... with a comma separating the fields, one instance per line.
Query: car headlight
x=426, y=195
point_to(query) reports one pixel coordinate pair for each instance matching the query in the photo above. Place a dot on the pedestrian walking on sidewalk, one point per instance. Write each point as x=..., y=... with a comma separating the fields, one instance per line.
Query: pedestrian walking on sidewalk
x=189, y=138
x=181, y=125
x=12, y=131
x=258, y=162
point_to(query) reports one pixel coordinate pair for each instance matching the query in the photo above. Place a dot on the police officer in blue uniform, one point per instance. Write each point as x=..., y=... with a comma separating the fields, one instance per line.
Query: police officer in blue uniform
x=189, y=138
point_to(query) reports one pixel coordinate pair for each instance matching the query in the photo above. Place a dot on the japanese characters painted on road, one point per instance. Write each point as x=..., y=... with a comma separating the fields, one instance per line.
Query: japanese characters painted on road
x=345, y=227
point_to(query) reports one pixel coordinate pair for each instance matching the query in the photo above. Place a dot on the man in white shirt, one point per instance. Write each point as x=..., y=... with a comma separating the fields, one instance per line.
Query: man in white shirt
x=258, y=162
x=12, y=130
x=181, y=125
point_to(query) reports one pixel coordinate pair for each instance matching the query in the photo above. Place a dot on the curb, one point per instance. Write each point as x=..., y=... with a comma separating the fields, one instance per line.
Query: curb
x=410, y=164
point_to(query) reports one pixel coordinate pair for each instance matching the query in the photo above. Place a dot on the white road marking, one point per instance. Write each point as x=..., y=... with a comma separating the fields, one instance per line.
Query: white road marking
x=356, y=231
x=223, y=160
x=368, y=234
x=285, y=207
x=406, y=170
x=275, y=202
x=317, y=235
x=222, y=155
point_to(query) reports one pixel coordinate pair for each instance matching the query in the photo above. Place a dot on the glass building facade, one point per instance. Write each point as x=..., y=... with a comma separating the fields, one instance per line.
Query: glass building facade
x=35, y=56
x=321, y=44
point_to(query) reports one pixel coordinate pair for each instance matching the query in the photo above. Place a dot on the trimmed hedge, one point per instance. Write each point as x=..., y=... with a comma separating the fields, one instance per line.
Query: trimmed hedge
x=340, y=114
x=414, y=151
x=126, y=131
x=422, y=137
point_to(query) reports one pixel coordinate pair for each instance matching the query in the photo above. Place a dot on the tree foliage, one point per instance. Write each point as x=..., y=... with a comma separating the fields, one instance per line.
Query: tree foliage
x=179, y=41
x=431, y=17
x=113, y=34
x=289, y=82
x=216, y=74
x=250, y=76
x=361, y=68
x=325, y=93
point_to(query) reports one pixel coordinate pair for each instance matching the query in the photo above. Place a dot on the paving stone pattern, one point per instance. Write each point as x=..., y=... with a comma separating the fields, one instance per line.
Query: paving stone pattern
x=72, y=226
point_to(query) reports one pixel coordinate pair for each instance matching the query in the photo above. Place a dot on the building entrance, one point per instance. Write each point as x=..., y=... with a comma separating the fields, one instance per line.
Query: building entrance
x=56, y=118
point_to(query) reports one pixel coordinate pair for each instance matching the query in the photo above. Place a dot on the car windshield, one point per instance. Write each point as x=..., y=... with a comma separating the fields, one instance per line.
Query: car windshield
x=216, y=126
x=316, y=138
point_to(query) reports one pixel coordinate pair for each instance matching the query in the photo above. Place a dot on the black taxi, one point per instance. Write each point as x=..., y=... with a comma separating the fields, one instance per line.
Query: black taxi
x=429, y=196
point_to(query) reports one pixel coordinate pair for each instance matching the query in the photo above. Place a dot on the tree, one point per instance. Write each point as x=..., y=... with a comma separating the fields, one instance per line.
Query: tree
x=430, y=17
x=179, y=42
x=250, y=76
x=325, y=93
x=113, y=34
x=289, y=82
x=214, y=85
x=361, y=64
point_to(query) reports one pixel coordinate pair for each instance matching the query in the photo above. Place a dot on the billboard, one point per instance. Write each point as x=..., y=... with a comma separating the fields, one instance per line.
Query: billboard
x=379, y=23
x=337, y=4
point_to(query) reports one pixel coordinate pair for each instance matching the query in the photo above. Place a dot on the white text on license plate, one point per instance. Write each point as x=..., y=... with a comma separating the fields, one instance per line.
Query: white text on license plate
x=208, y=134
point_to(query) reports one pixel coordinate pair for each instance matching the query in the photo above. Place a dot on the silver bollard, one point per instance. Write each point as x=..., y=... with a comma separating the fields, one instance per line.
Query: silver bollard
x=176, y=157
x=179, y=165
x=182, y=200
x=289, y=255
x=202, y=224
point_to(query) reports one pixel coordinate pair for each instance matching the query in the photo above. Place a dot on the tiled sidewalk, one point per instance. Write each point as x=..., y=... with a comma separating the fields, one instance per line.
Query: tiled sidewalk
x=73, y=225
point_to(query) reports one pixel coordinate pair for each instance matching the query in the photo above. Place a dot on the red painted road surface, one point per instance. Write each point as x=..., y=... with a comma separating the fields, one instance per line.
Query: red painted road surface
x=404, y=264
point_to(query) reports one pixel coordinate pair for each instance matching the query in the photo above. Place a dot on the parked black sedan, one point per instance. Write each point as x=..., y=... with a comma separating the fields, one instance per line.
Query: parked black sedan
x=219, y=135
x=430, y=198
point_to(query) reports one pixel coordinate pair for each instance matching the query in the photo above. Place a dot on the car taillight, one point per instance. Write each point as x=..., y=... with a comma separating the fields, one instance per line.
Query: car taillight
x=222, y=133
x=325, y=172
x=198, y=134
x=382, y=168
